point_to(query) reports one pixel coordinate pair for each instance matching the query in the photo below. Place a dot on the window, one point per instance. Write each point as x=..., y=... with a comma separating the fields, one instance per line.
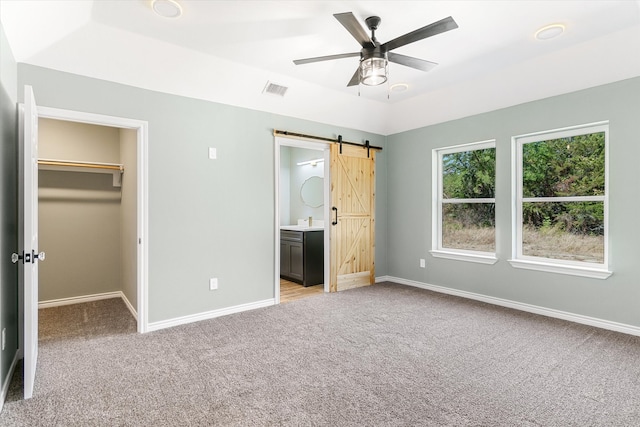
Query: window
x=464, y=202
x=560, y=218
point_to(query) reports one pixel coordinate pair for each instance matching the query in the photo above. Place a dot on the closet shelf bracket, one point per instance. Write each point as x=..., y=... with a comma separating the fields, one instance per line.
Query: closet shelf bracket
x=114, y=169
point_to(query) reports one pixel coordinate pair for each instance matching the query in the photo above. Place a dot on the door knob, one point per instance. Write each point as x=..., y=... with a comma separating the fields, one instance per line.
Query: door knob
x=39, y=256
x=15, y=257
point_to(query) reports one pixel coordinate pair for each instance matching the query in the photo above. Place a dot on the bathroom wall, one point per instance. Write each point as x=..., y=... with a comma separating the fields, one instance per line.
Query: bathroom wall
x=299, y=174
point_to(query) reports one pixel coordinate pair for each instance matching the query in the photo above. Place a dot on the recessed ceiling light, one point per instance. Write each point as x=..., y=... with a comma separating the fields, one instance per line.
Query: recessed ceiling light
x=399, y=87
x=550, y=31
x=167, y=8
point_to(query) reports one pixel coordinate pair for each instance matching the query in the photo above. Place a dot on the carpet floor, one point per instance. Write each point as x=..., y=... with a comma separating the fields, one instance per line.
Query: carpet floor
x=385, y=355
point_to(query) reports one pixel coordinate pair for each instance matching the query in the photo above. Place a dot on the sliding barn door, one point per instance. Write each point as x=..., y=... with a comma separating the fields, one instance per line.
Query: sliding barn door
x=353, y=218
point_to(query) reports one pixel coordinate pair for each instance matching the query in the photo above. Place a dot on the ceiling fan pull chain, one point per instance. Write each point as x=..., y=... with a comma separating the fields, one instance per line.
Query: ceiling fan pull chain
x=388, y=82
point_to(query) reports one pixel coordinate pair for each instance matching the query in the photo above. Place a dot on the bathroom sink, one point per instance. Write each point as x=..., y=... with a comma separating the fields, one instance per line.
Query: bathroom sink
x=300, y=228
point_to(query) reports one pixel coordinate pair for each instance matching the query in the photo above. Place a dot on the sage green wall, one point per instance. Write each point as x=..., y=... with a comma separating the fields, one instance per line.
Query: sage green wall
x=8, y=207
x=207, y=218
x=409, y=194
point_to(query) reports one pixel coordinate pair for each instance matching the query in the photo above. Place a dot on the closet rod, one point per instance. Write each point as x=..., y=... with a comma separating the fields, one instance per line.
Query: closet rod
x=320, y=138
x=79, y=164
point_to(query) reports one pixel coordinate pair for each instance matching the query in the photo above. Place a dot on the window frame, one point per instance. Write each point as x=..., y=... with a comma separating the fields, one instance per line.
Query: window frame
x=437, y=250
x=576, y=268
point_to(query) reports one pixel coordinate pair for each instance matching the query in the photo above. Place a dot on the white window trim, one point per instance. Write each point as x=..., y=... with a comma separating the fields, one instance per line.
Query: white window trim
x=437, y=250
x=575, y=268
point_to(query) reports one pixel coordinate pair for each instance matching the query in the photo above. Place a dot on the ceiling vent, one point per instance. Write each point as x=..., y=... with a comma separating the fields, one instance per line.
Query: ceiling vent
x=274, y=89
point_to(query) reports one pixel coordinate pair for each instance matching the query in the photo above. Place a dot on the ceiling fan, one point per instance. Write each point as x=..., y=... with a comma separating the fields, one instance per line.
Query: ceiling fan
x=372, y=70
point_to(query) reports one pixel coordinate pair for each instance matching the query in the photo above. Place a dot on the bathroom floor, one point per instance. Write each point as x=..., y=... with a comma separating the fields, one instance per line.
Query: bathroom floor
x=290, y=291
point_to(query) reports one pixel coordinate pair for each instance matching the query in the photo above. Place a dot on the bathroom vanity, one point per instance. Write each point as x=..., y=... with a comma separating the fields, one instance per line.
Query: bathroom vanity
x=302, y=254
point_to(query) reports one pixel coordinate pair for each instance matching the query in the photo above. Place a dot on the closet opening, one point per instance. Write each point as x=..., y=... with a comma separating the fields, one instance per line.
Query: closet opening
x=92, y=222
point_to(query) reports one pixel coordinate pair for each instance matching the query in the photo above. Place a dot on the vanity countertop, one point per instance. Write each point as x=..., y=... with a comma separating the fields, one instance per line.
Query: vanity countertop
x=300, y=228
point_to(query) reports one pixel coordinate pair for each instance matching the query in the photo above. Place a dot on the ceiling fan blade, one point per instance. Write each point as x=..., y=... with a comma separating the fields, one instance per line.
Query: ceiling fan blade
x=409, y=61
x=353, y=26
x=355, y=80
x=433, y=29
x=325, y=58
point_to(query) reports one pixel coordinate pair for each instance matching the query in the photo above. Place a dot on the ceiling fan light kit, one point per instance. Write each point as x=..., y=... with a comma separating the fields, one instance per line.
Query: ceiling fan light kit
x=375, y=57
x=373, y=71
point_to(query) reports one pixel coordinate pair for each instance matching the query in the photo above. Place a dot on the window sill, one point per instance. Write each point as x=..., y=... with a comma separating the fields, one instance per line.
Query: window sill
x=594, y=273
x=482, y=258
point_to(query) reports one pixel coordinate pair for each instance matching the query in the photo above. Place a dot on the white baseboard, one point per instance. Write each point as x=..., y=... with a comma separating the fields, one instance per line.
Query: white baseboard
x=7, y=380
x=162, y=324
x=131, y=308
x=549, y=312
x=80, y=299
x=89, y=298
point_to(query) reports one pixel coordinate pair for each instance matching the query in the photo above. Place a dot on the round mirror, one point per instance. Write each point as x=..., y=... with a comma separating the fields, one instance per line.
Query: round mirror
x=312, y=192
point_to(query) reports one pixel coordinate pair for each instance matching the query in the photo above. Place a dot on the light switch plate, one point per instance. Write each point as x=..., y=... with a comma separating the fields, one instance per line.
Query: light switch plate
x=422, y=263
x=213, y=284
x=213, y=153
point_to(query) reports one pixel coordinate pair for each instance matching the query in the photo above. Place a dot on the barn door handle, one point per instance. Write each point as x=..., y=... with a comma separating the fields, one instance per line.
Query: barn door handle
x=335, y=221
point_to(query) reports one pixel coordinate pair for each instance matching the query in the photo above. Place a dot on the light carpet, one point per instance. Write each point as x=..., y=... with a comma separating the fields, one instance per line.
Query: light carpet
x=384, y=355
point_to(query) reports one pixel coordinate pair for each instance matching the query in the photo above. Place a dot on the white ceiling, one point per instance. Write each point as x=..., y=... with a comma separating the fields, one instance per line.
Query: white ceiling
x=226, y=51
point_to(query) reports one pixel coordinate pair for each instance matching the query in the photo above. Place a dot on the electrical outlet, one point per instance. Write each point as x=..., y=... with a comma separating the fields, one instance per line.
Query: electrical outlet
x=213, y=284
x=423, y=263
x=213, y=154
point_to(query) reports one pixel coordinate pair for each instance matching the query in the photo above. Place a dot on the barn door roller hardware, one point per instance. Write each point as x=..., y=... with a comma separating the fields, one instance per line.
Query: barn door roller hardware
x=339, y=140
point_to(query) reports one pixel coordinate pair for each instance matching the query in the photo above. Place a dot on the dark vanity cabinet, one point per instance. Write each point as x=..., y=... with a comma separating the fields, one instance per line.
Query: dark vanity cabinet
x=302, y=256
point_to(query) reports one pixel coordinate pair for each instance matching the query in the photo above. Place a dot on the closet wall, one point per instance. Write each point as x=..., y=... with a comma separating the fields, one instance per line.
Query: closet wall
x=84, y=220
x=128, y=216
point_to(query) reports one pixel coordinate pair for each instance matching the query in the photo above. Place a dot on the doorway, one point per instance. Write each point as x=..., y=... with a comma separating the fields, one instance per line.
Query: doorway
x=125, y=195
x=86, y=213
x=302, y=177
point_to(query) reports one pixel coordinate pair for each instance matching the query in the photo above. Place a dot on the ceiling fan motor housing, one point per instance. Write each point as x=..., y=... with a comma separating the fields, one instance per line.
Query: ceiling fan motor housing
x=376, y=52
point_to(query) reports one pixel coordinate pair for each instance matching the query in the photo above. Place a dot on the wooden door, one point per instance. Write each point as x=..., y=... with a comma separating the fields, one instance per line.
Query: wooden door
x=353, y=217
